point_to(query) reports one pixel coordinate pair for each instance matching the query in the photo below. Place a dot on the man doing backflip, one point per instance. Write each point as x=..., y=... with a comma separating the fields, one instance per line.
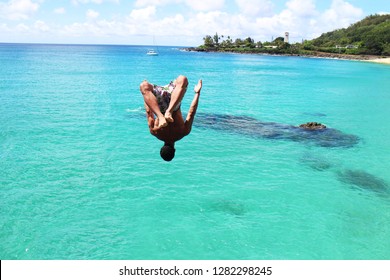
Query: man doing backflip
x=163, y=112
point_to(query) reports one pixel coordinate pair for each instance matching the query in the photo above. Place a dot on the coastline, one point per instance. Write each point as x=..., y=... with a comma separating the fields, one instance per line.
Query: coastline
x=385, y=60
x=363, y=58
x=313, y=54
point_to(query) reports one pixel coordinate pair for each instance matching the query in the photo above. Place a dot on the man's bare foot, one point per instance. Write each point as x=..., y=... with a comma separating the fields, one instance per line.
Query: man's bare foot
x=168, y=117
x=162, y=122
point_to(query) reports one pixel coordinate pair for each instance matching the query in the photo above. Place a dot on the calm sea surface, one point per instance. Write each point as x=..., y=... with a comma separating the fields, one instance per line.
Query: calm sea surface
x=81, y=177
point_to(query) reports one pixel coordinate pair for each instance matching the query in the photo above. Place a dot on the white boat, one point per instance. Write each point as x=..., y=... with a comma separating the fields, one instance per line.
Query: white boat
x=152, y=52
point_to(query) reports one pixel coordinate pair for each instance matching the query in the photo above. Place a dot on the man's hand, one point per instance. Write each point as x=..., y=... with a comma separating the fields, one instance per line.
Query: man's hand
x=198, y=87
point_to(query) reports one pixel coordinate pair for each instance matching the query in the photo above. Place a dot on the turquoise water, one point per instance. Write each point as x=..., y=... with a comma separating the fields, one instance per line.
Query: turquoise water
x=81, y=177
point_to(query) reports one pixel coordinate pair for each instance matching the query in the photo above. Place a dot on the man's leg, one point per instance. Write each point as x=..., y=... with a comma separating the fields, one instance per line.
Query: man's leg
x=181, y=84
x=151, y=101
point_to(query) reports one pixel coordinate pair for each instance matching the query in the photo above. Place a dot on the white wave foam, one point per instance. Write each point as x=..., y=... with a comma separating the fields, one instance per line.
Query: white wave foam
x=136, y=110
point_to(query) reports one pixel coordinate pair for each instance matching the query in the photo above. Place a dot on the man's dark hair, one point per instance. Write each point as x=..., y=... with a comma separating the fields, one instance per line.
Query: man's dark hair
x=167, y=152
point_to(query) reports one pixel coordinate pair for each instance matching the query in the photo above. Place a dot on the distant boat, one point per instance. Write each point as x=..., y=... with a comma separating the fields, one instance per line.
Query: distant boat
x=152, y=52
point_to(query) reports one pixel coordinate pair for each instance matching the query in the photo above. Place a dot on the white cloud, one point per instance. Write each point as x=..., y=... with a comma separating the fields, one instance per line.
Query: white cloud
x=60, y=11
x=18, y=9
x=41, y=26
x=98, y=29
x=254, y=18
x=341, y=14
x=166, y=27
x=77, y=2
x=91, y=14
x=303, y=20
x=302, y=8
x=213, y=5
x=209, y=23
x=4, y=28
x=296, y=19
x=21, y=27
x=300, y=18
x=255, y=7
x=196, y=5
x=145, y=3
x=143, y=14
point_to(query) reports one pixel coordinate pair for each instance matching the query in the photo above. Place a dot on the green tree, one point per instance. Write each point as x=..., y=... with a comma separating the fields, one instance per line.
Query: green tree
x=229, y=42
x=216, y=39
x=308, y=45
x=208, y=41
x=279, y=41
x=249, y=42
x=386, y=49
x=370, y=35
x=374, y=44
x=238, y=43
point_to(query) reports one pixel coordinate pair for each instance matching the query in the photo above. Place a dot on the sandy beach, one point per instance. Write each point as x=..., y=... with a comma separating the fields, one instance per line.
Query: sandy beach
x=380, y=60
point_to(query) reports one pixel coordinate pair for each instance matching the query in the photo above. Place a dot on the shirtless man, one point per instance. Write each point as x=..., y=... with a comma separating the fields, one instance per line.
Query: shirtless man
x=164, y=103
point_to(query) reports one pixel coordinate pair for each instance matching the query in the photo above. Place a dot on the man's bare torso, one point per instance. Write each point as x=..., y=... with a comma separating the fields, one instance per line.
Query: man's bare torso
x=173, y=131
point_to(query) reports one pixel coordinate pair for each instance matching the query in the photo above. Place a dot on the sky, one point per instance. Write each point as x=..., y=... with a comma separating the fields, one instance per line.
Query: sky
x=175, y=22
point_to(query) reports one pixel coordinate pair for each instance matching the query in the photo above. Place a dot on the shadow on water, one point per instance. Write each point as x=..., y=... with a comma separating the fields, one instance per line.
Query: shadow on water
x=252, y=127
x=315, y=114
x=317, y=163
x=356, y=179
x=363, y=180
x=228, y=206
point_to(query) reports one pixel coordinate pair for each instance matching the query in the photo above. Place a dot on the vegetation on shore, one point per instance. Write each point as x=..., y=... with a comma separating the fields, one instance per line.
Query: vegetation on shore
x=370, y=36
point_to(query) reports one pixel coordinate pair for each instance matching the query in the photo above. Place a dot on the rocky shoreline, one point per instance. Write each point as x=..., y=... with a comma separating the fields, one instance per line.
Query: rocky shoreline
x=340, y=56
x=311, y=54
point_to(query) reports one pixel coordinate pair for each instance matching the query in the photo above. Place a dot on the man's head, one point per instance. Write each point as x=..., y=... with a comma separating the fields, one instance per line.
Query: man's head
x=167, y=152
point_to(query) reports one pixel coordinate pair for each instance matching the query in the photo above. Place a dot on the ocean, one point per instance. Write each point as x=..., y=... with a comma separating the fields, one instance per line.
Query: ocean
x=81, y=177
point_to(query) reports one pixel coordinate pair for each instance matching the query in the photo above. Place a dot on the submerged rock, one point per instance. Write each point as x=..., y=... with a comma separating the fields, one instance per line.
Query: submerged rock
x=312, y=126
x=252, y=127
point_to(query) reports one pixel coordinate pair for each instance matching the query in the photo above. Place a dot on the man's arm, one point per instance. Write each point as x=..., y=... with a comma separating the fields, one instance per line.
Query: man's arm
x=151, y=121
x=193, y=108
